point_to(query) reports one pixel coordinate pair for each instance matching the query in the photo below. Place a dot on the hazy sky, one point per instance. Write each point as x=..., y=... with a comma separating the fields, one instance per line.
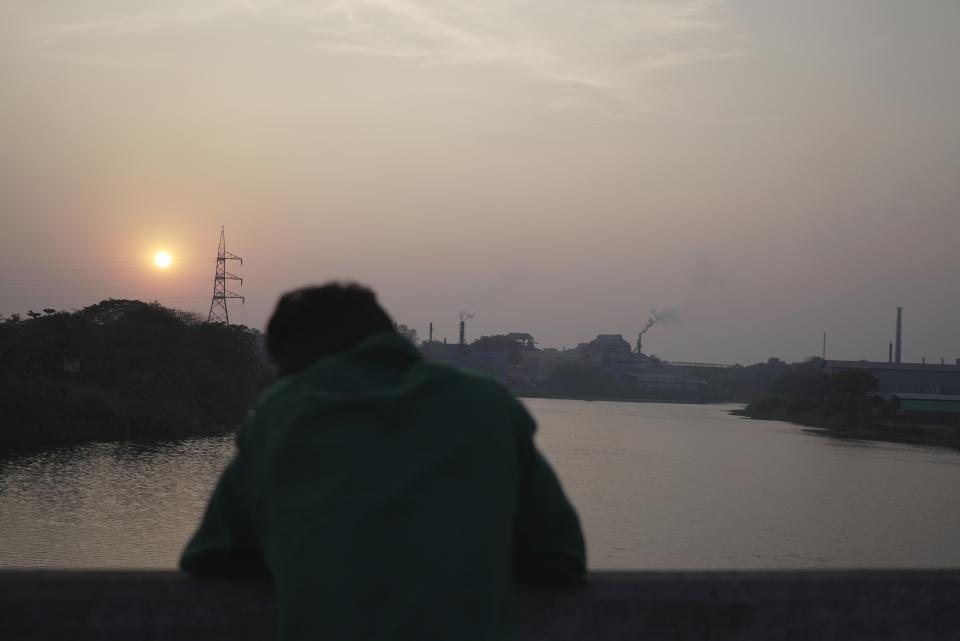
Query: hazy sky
x=773, y=169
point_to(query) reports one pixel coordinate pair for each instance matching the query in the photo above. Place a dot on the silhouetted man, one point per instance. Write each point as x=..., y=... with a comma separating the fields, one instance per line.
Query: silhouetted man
x=387, y=497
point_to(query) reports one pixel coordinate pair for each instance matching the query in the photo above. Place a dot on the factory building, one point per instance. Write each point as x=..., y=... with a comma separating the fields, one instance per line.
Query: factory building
x=530, y=367
x=896, y=377
x=523, y=339
x=928, y=408
x=904, y=378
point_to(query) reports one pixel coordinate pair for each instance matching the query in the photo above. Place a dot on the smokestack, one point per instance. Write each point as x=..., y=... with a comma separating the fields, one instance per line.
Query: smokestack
x=890, y=354
x=640, y=343
x=462, y=335
x=824, y=357
x=899, y=328
x=431, y=333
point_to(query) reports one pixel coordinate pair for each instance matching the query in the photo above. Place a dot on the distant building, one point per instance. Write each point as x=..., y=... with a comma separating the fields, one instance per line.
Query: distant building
x=540, y=364
x=525, y=340
x=611, y=352
x=635, y=373
x=904, y=378
x=928, y=408
x=610, y=344
x=435, y=350
x=496, y=363
x=660, y=382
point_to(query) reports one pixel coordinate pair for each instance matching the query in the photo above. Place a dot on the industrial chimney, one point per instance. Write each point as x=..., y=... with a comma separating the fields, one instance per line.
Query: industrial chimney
x=640, y=343
x=463, y=341
x=899, y=328
x=431, y=332
x=890, y=353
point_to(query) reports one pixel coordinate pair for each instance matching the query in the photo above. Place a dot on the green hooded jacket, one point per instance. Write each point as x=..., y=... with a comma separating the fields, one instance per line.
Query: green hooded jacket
x=389, y=498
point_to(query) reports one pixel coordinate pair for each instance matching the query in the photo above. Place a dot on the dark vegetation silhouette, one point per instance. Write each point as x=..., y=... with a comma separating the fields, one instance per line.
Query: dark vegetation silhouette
x=123, y=369
x=803, y=393
x=845, y=403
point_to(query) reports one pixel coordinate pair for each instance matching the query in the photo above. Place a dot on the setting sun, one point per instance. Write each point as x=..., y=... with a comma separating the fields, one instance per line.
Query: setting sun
x=162, y=260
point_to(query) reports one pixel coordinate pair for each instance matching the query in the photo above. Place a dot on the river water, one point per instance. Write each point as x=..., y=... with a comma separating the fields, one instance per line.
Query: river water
x=658, y=486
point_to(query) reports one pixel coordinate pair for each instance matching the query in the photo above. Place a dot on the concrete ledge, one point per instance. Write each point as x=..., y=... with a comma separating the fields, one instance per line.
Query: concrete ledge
x=767, y=606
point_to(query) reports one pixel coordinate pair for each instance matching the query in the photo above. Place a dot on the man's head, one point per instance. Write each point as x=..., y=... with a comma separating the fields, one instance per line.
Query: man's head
x=311, y=323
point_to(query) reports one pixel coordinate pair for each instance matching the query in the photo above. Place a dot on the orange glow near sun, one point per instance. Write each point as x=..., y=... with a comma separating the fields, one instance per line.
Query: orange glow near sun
x=162, y=259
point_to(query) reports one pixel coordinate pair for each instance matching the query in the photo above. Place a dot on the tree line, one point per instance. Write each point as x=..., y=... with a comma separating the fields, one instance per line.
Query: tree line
x=123, y=369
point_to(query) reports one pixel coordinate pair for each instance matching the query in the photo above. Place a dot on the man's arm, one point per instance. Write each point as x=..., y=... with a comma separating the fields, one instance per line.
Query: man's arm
x=226, y=544
x=548, y=541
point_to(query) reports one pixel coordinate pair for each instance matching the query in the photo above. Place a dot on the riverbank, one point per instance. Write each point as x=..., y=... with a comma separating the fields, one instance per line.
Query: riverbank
x=912, y=434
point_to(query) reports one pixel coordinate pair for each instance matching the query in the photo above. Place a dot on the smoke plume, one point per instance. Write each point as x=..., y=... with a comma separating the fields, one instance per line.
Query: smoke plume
x=660, y=317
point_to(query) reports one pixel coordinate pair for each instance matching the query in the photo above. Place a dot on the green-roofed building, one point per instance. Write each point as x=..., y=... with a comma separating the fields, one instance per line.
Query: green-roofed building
x=940, y=408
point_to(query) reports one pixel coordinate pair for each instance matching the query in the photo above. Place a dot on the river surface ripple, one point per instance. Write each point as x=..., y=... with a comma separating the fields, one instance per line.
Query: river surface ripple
x=658, y=486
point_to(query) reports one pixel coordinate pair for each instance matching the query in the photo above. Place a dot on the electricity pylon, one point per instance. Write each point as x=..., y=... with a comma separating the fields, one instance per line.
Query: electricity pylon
x=218, y=304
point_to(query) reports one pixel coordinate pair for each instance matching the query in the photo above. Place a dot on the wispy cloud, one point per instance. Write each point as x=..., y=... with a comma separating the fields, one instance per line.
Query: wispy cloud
x=609, y=46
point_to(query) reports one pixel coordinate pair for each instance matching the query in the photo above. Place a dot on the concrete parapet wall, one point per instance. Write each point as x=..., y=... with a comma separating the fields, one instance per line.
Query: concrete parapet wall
x=715, y=606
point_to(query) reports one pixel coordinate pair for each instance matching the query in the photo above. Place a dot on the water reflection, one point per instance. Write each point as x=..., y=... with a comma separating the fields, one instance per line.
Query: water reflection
x=658, y=486
x=106, y=504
